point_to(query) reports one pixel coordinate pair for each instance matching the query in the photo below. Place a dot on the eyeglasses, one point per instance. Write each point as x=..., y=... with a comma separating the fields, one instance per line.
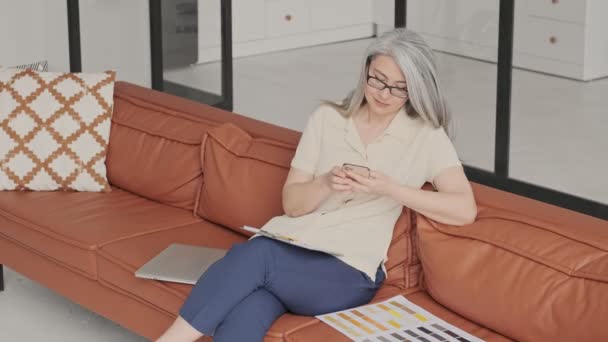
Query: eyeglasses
x=381, y=85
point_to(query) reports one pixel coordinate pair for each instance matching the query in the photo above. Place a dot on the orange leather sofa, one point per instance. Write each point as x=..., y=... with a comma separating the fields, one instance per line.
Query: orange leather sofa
x=189, y=173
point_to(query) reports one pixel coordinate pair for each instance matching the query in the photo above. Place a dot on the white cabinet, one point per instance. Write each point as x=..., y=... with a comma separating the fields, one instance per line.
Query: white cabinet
x=261, y=26
x=247, y=22
x=564, y=10
x=286, y=17
x=464, y=27
x=560, y=37
x=549, y=39
x=327, y=15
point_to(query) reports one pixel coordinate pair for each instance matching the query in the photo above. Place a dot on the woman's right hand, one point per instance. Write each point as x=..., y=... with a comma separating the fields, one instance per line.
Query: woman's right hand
x=337, y=180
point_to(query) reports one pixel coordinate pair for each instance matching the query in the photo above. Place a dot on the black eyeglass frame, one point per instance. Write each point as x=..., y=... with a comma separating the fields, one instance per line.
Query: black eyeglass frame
x=390, y=88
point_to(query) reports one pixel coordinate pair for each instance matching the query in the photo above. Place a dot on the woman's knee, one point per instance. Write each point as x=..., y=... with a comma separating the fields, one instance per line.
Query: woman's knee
x=262, y=242
x=257, y=247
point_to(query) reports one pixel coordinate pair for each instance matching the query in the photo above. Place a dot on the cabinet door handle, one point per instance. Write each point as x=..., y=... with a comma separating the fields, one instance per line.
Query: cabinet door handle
x=552, y=40
x=288, y=17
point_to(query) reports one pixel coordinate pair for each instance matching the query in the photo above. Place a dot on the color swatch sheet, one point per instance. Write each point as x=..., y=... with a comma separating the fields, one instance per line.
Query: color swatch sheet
x=395, y=319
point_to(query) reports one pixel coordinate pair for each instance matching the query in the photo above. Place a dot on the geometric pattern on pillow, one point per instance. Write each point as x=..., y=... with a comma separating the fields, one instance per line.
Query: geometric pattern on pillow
x=54, y=130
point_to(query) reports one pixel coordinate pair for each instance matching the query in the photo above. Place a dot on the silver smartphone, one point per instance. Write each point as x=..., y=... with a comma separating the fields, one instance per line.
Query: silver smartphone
x=361, y=170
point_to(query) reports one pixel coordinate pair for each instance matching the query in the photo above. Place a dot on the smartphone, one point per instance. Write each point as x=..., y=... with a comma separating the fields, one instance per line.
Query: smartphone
x=361, y=170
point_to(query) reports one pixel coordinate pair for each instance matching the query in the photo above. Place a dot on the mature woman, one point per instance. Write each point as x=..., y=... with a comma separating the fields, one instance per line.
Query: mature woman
x=393, y=127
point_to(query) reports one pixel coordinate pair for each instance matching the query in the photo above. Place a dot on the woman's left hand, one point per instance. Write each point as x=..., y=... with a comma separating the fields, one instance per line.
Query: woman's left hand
x=378, y=183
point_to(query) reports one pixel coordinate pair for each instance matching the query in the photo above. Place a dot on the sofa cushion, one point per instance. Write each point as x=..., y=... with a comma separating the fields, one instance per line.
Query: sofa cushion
x=118, y=260
x=68, y=226
x=54, y=130
x=243, y=177
x=526, y=278
x=154, y=151
x=154, y=148
x=320, y=332
x=315, y=330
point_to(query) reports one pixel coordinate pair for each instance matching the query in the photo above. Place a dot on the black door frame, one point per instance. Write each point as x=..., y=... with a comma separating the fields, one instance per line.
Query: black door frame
x=74, y=36
x=223, y=100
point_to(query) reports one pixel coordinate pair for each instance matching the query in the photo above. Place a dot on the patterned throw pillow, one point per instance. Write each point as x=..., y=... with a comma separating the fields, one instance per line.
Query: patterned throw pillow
x=54, y=130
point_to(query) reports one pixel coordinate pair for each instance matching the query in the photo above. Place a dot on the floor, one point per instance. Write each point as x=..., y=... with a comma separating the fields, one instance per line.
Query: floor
x=557, y=141
x=31, y=312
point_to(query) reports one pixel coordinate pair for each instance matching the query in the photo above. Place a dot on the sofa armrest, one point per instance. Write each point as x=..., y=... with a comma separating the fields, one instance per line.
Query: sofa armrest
x=519, y=275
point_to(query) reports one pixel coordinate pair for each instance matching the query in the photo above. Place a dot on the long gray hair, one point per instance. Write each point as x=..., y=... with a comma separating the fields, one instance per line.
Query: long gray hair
x=416, y=60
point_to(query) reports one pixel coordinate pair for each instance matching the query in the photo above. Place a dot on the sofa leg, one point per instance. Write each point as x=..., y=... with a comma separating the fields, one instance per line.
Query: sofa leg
x=1, y=278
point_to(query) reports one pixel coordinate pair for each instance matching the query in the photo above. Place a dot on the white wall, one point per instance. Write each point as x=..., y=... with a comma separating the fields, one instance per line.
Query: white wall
x=114, y=35
x=34, y=30
x=384, y=15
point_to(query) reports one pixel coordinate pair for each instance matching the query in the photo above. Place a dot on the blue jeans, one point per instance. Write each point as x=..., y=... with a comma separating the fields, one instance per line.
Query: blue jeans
x=241, y=295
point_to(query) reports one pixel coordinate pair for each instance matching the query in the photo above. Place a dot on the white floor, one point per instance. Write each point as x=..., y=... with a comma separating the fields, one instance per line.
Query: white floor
x=557, y=141
x=31, y=312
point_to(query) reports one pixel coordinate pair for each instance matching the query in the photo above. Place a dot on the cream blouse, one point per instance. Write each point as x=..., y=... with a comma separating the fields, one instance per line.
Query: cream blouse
x=360, y=226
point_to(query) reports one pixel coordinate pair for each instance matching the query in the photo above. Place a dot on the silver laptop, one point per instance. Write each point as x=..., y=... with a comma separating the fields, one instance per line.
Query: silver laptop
x=180, y=263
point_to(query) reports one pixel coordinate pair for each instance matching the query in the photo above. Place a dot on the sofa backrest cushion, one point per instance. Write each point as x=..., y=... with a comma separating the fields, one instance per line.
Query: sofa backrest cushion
x=154, y=151
x=243, y=177
x=154, y=148
x=528, y=270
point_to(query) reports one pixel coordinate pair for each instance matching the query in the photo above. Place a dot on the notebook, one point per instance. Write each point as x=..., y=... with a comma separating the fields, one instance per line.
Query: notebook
x=180, y=263
x=290, y=240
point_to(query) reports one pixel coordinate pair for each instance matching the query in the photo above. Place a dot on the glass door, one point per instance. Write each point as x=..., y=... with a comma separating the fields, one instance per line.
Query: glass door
x=174, y=34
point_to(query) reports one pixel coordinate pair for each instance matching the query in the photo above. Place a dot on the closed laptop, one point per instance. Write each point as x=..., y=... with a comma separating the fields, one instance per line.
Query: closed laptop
x=180, y=263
